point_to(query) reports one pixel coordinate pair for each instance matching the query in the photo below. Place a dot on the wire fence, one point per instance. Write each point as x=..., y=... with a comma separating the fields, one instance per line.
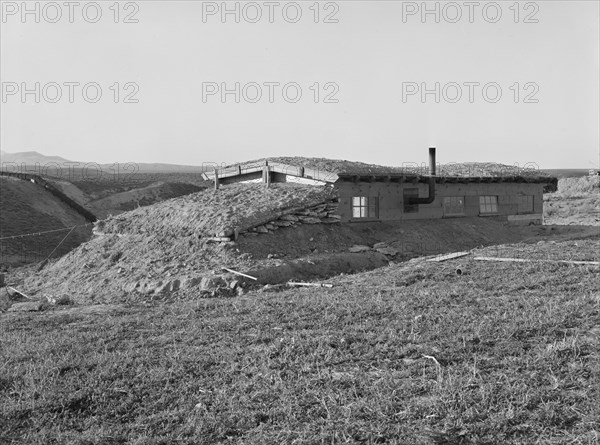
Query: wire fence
x=26, y=248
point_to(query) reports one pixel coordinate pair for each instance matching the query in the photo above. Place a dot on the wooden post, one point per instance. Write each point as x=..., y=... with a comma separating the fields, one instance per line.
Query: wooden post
x=216, y=179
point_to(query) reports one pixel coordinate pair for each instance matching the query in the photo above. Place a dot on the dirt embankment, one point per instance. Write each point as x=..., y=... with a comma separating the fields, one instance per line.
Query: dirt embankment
x=167, y=250
x=134, y=268
x=167, y=246
x=208, y=214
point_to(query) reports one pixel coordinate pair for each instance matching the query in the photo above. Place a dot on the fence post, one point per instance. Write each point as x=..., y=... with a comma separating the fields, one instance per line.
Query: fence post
x=266, y=174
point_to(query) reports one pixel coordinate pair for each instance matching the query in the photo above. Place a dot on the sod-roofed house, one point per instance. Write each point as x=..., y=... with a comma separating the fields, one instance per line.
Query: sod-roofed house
x=376, y=193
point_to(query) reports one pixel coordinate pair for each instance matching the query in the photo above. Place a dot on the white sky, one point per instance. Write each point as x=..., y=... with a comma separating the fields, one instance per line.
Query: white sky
x=369, y=54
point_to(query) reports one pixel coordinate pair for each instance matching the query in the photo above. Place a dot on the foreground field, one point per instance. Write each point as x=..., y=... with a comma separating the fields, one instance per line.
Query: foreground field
x=411, y=353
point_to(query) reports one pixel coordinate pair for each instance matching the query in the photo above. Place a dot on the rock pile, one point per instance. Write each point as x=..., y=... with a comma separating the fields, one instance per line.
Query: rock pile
x=325, y=213
x=224, y=285
x=383, y=248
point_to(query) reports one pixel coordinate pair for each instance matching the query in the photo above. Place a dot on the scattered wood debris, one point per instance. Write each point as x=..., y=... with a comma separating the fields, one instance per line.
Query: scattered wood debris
x=294, y=283
x=528, y=260
x=240, y=273
x=449, y=256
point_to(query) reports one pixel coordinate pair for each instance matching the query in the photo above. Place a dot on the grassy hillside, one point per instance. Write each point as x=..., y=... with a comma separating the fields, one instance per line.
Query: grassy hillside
x=409, y=354
x=117, y=194
x=28, y=208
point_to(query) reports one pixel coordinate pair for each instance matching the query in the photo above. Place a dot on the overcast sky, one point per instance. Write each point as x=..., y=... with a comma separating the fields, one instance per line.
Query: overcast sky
x=517, y=83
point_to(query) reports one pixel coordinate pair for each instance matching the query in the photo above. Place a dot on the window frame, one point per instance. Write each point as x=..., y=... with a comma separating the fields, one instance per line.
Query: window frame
x=452, y=214
x=483, y=204
x=367, y=205
x=530, y=205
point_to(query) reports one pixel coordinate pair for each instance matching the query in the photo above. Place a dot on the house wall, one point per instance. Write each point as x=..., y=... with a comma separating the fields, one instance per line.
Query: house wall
x=391, y=199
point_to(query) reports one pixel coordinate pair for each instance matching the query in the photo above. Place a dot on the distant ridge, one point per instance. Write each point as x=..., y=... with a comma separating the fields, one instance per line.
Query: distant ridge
x=30, y=158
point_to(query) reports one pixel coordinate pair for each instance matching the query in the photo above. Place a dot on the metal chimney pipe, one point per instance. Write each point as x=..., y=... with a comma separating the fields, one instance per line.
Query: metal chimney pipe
x=431, y=161
x=431, y=196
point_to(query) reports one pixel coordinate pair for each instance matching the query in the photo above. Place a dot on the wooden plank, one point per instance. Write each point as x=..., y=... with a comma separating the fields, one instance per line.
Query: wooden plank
x=449, y=256
x=240, y=273
x=294, y=283
x=217, y=239
x=20, y=293
x=527, y=260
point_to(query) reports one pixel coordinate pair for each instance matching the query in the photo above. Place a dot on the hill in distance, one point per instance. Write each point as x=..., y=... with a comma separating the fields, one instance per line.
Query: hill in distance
x=29, y=158
x=32, y=158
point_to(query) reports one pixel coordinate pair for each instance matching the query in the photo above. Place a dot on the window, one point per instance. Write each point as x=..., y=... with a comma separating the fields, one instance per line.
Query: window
x=365, y=207
x=525, y=204
x=454, y=205
x=488, y=204
x=410, y=193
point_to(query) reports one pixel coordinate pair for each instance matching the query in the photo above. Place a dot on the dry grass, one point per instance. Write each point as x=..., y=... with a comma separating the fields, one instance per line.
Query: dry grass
x=577, y=202
x=27, y=208
x=505, y=353
x=112, y=194
x=341, y=166
x=579, y=187
x=207, y=213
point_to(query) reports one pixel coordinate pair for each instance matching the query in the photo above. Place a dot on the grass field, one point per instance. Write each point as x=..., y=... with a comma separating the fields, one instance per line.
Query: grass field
x=408, y=354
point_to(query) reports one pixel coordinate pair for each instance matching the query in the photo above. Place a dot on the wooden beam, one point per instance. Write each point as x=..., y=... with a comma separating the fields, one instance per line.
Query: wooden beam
x=294, y=283
x=240, y=273
x=267, y=176
x=216, y=179
x=527, y=260
x=449, y=256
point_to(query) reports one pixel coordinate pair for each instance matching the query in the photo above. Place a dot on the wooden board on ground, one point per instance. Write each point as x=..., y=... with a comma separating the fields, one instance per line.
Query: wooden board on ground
x=529, y=260
x=449, y=256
